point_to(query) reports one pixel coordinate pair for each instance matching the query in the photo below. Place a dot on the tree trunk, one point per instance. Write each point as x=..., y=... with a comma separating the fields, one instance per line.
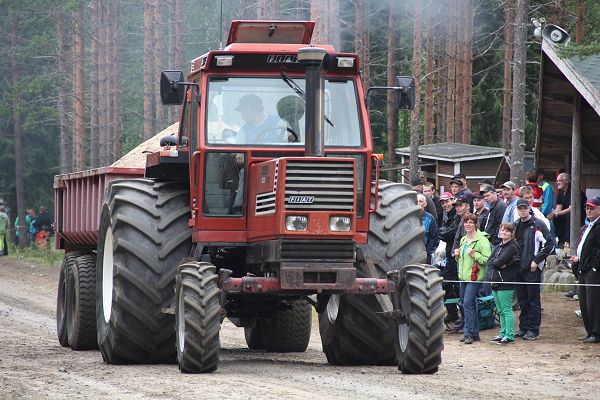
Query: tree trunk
x=509, y=34
x=362, y=40
x=158, y=63
x=460, y=72
x=580, y=22
x=468, y=72
x=17, y=134
x=442, y=104
x=65, y=139
x=415, y=116
x=175, y=45
x=108, y=82
x=517, y=156
x=266, y=9
x=116, y=81
x=451, y=77
x=392, y=111
x=78, y=94
x=325, y=13
x=103, y=76
x=95, y=86
x=430, y=77
x=148, y=69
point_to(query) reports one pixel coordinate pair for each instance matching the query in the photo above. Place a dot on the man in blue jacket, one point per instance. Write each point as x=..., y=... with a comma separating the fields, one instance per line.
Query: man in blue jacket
x=431, y=238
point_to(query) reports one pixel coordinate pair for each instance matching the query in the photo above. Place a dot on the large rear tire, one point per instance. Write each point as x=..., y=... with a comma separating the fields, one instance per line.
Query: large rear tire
x=198, y=317
x=61, y=298
x=419, y=335
x=143, y=237
x=81, y=311
x=352, y=331
x=288, y=331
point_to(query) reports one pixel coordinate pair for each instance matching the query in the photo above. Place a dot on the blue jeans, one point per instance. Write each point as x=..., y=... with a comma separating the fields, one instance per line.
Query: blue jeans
x=469, y=291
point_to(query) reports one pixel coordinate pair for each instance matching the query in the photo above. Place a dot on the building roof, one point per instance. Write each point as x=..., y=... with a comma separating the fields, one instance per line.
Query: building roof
x=582, y=73
x=563, y=81
x=454, y=152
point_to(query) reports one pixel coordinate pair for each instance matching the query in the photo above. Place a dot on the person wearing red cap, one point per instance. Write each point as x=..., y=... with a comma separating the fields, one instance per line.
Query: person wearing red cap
x=586, y=266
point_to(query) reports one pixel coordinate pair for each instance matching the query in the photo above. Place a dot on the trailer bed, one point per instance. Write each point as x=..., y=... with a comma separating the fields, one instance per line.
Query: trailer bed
x=78, y=200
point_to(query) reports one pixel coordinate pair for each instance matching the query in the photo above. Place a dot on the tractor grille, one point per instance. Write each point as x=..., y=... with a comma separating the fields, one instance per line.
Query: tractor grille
x=322, y=250
x=319, y=186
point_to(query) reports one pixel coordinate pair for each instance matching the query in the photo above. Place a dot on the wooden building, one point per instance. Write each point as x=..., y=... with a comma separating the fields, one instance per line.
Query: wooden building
x=441, y=161
x=568, y=135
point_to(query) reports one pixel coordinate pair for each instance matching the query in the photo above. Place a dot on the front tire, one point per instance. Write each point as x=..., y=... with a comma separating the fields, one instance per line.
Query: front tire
x=198, y=317
x=143, y=237
x=352, y=330
x=254, y=336
x=419, y=336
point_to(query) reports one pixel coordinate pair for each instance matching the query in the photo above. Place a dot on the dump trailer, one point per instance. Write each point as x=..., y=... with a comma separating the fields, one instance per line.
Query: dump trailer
x=265, y=204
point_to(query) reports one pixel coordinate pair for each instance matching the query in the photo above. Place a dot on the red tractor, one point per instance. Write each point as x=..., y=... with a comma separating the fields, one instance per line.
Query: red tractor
x=265, y=204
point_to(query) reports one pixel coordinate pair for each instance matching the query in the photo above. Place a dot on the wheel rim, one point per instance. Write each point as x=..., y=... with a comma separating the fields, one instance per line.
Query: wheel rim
x=107, y=275
x=180, y=322
x=333, y=307
x=404, y=328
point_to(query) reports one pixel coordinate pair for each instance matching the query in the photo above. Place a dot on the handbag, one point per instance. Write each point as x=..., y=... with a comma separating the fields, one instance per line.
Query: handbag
x=474, y=271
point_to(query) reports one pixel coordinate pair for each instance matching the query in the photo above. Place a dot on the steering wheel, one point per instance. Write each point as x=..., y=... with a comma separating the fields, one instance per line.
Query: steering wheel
x=262, y=135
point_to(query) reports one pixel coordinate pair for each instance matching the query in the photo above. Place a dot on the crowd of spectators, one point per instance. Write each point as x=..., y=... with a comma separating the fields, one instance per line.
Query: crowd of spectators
x=496, y=241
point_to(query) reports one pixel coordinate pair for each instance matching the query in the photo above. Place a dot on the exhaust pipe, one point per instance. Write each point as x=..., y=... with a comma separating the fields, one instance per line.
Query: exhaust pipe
x=312, y=58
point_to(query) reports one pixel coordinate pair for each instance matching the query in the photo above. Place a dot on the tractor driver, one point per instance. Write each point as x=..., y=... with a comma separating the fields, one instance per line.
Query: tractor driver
x=259, y=127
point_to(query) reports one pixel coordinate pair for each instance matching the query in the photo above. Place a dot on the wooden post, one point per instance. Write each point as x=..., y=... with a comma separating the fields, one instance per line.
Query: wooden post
x=576, y=157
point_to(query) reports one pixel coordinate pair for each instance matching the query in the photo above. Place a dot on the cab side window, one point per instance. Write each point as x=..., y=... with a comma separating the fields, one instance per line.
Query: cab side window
x=223, y=184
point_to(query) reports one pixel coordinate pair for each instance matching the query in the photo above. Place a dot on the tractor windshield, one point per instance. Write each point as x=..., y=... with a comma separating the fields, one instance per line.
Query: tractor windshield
x=269, y=111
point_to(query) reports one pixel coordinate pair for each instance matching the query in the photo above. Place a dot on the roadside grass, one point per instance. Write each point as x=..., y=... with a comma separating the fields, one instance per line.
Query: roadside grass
x=42, y=257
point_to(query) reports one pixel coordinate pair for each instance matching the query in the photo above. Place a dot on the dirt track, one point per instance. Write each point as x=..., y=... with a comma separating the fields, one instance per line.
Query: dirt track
x=34, y=366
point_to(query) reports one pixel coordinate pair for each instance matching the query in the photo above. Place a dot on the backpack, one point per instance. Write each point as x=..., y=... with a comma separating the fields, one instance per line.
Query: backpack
x=487, y=312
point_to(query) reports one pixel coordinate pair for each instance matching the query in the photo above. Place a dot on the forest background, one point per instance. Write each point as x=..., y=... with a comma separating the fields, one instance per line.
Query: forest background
x=79, y=78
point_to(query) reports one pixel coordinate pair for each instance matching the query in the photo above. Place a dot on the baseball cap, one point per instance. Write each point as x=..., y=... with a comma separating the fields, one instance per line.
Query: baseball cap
x=522, y=203
x=595, y=202
x=446, y=196
x=478, y=195
x=250, y=102
x=487, y=188
x=509, y=185
x=457, y=179
x=461, y=200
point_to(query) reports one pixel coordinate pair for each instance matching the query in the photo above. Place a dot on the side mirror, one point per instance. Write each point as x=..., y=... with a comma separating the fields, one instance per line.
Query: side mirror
x=172, y=88
x=405, y=95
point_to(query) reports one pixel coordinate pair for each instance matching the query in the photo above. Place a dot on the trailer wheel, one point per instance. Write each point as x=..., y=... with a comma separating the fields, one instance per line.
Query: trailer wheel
x=254, y=336
x=419, y=335
x=288, y=331
x=143, y=237
x=352, y=331
x=197, y=317
x=61, y=298
x=81, y=310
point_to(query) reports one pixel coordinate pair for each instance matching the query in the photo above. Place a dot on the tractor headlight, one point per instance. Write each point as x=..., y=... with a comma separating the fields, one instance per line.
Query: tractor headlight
x=296, y=223
x=340, y=224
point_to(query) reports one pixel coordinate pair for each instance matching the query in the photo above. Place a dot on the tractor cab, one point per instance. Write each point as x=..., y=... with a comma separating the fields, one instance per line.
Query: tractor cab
x=255, y=115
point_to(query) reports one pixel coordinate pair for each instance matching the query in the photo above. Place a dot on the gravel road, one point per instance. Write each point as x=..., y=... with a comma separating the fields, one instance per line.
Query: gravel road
x=34, y=366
